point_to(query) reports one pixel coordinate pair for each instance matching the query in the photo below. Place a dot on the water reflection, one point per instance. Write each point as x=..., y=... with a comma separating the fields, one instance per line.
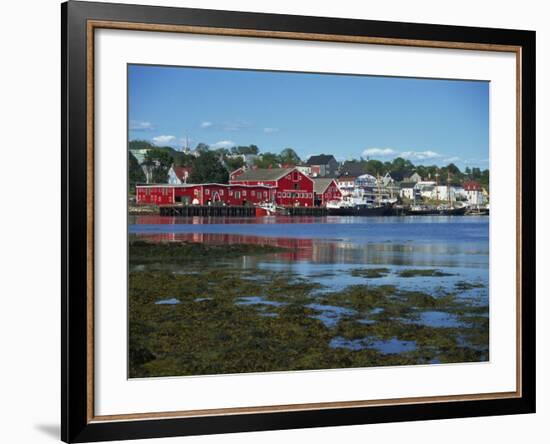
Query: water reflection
x=357, y=276
x=328, y=250
x=332, y=251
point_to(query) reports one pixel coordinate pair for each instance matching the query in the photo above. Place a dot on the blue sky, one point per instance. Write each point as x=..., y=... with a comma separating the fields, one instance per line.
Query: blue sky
x=427, y=121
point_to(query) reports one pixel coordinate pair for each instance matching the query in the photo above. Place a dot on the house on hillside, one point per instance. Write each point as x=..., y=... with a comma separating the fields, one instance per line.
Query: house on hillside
x=346, y=184
x=389, y=186
x=326, y=190
x=178, y=175
x=426, y=188
x=323, y=165
x=408, y=190
x=414, y=177
x=349, y=173
x=474, y=193
x=352, y=169
x=293, y=188
x=303, y=168
x=444, y=192
x=248, y=159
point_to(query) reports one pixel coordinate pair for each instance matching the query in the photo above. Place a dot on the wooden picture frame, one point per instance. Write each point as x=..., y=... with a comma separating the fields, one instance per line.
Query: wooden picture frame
x=79, y=22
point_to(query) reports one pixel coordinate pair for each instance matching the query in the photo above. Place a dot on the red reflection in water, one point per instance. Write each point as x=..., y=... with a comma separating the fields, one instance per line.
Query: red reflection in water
x=299, y=249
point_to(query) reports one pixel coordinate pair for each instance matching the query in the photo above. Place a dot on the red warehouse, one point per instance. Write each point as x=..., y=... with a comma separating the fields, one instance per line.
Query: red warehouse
x=293, y=187
x=326, y=190
x=234, y=174
x=204, y=194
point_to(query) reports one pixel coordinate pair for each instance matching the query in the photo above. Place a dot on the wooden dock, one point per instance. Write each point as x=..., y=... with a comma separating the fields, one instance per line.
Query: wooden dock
x=232, y=211
x=307, y=211
x=206, y=211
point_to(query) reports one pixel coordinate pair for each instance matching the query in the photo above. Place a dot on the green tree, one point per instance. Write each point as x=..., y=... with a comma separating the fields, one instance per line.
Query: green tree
x=182, y=159
x=289, y=156
x=250, y=149
x=135, y=173
x=140, y=144
x=373, y=167
x=484, y=179
x=401, y=168
x=202, y=147
x=268, y=160
x=222, y=152
x=233, y=163
x=207, y=168
x=158, y=162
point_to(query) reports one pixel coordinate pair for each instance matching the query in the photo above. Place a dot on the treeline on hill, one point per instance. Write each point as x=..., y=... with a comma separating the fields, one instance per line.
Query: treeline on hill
x=401, y=169
x=214, y=165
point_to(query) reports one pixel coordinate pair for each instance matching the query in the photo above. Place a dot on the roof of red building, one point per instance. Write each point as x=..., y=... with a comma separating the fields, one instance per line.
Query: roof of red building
x=321, y=184
x=472, y=185
x=191, y=185
x=182, y=172
x=239, y=170
x=264, y=174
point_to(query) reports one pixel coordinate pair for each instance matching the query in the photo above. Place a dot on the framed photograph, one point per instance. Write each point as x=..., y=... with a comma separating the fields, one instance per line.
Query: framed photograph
x=275, y=221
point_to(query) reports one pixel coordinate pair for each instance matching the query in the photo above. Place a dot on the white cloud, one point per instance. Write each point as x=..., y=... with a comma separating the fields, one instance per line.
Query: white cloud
x=420, y=155
x=270, y=130
x=206, y=124
x=223, y=144
x=164, y=140
x=379, y=152
x=452, y=159
x=235, y=125
x=140, y=125
x=411, y=155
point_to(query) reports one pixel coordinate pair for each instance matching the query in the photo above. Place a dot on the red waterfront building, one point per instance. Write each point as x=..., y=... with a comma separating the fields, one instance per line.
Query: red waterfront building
x=326, y=190
x=287, y=187
x=204, y=194
x=293, y=188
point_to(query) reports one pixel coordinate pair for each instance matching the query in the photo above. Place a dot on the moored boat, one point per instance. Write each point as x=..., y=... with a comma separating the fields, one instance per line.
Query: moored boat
x=457, y=211
x=421, y=210
x=359, y=210
x=267, y=209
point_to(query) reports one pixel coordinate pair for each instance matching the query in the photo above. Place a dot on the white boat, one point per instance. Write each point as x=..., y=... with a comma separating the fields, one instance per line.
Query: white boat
x=268, y=209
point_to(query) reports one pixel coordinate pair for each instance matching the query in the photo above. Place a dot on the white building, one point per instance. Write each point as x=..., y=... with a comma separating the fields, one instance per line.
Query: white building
x=408, y=190
x=415, y=177
x=474, y=193
x=304, y=169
